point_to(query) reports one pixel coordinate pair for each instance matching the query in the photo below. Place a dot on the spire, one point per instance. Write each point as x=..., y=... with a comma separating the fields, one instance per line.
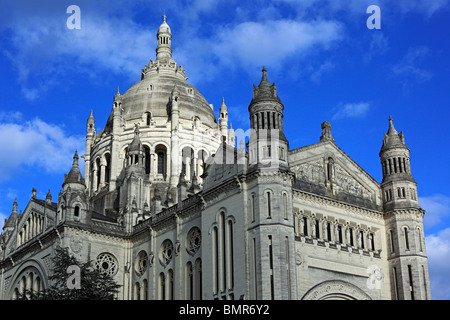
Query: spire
x=48, y=197
x=74, y=175
x=90, y=122
x=164, y=36
x=265, y=90
x=15, y=206
x=391, y=130
x=223, y=109
x=264, y=79
x=393, y=139
x=117, y=92
x=75, y=159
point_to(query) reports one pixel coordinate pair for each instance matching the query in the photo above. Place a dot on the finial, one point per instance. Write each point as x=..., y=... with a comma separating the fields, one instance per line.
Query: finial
x=164, y=15
x=75, y=159
x=264, y=75
x=391, y=130
x=15, y=206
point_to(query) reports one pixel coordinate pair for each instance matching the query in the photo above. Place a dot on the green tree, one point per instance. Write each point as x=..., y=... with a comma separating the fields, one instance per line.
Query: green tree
x=93, y=283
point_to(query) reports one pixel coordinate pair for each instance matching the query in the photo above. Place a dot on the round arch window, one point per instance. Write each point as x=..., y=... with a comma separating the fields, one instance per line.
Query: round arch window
x=194, y=240
x=141, y=263
x=166, y=252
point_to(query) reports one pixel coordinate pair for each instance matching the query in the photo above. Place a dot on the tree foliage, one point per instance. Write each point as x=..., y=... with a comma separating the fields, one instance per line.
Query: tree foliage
x=93, y=283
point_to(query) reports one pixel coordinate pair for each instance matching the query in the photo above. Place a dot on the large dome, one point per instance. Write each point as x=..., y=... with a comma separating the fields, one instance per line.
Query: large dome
x=160, y=79
x=153, y=95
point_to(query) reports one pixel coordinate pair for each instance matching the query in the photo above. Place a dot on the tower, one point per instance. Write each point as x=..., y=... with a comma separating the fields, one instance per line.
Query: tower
x=404, y=220
x=271, y=229
x=223, y=119
x=134, y=188
x=268, y=145
x=164, y=36
x=72, y=201
x=90, y=134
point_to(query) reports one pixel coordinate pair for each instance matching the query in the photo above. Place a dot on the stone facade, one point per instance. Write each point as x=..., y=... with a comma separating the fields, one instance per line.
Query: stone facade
x=173, y=210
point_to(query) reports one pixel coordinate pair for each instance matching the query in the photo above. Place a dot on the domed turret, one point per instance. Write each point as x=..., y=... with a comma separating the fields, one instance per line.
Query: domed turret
x=74, y=176
x=164, y=36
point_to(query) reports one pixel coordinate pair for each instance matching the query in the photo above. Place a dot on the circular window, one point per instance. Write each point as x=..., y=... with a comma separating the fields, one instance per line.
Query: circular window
x=106, y=263
x=141, y=263
x=194, y=240
x=166, y=252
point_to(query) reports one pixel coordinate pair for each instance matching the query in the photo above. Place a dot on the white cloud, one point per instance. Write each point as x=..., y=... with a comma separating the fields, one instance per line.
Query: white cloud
x=408, y=69
x=325, y=67
x=351, y=110
x=252, y=44
x=424, y=7
x=378, y=45
x=437, y=208
x=280, y=39
x=36, y=143
x=43, y=48
x=438, y=252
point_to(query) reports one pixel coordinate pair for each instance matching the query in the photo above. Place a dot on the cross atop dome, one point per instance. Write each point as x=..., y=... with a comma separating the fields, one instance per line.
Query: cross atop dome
x=164, y=36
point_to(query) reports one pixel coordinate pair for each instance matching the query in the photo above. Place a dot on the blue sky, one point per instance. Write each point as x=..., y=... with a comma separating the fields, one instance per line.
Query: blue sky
x=326, y=63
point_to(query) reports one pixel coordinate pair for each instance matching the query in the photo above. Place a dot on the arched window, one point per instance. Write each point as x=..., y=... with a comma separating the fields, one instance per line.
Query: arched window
x=148, y=118
x=170, y=283
x=215, y=259
x=269, y=205
x=147, y=159
x=189, y=291
x=137, y=291
x=419, y=235
x=98, y=172
x=330, y=169
x=144, y=294
x=76, y=212
x=161, y=161
x=162, y=286
x=107, y=167
x=405, y=231
x=252, y=207
x=391, y=236
x=198, y=279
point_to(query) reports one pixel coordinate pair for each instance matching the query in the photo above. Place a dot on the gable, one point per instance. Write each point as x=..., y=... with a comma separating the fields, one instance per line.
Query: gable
x=324, y=169
x=35, y=218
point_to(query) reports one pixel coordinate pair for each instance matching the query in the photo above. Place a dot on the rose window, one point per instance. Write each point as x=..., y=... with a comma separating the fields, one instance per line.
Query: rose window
x=106, y=263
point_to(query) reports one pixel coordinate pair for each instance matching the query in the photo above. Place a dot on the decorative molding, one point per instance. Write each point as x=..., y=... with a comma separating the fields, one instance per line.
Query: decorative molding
x=335, y=289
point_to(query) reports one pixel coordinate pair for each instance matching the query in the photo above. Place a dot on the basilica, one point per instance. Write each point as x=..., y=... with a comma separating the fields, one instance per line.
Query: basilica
x=174, y=206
